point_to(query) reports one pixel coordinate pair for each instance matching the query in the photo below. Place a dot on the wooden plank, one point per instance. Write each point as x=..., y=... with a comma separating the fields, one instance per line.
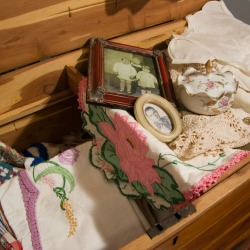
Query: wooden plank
x=26, y=85
x=29, y=11
x=74, y=78
x=210, y=231
x=155, y=37
x=48, y=125
x=243, y=240
x=210, y=207
x=46, y=81
x=30, y=83
x=231, y=236
x=34, y=106
x=31, y=37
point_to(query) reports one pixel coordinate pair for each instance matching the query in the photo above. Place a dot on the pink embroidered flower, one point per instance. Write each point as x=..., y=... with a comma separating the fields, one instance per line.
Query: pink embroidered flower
x=131, y=149
x=49, y=181
x=69, y=156
x=224, y=102
x=82, y=88
x=97, y=142
x=210, y=84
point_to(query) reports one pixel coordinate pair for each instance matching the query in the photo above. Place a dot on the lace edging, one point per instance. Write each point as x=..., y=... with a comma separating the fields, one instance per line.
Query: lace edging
x=196, y=191
x=30, y=194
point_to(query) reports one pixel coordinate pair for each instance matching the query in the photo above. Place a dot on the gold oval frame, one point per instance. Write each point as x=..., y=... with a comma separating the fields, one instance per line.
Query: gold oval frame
x=167, y=107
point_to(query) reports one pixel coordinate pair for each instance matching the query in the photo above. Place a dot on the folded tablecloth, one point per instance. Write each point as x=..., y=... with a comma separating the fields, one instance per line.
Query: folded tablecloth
x=64, y=203
x=142, y=166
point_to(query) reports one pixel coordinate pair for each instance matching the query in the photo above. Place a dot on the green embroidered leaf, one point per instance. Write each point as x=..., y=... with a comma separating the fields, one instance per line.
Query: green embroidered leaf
x=97, y=115
x=110, y=156
x=110, y=176
x=57, y=170
x=168, y=189
x=140, y=188
x=160, y=204
x=128, y=190
x=95, y=158
x=222, y=155
x=84, y=116
x=84, y=120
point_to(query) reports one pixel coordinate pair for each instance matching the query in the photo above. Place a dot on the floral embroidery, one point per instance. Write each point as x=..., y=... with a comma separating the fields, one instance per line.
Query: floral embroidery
x=7, y=172
x=30, y=194
x=119, y=148
x=206, y=182
x=70, y=215
x=11, y=156
x=210, y=166
x=68, y=157
x=122, y=158
x=131, y=150
x=49, y=181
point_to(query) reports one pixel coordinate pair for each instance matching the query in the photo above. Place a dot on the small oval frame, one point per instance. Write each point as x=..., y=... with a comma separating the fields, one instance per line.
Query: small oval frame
x=164, y=105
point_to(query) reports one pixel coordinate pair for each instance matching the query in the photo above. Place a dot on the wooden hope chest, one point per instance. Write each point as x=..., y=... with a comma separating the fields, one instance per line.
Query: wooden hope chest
x=39, y=38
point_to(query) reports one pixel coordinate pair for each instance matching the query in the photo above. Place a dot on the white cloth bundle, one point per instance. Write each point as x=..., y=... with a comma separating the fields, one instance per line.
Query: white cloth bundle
x=96, y=215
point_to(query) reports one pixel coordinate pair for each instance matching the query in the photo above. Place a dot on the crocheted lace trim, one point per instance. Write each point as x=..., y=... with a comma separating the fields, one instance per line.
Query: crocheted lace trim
x=205, y=183
x=30, y=194
x=210, y=134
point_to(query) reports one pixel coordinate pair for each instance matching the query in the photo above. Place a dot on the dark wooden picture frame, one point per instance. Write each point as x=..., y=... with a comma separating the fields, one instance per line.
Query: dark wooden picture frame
x=114, y=76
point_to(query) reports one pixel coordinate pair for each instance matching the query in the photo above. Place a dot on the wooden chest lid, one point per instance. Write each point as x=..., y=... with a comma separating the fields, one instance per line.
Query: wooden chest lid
x=31, y=31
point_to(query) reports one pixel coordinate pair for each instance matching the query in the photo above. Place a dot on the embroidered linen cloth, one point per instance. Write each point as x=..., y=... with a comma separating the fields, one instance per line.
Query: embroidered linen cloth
x=211, y=31
x=142, y=166
x=64, y=203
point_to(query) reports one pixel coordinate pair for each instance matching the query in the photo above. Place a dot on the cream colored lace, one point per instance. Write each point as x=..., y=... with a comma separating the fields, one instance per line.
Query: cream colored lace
x=210, y=134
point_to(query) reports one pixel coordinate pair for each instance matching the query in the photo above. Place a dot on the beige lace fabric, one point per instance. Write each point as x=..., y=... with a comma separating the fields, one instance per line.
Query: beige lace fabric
x=210, y=134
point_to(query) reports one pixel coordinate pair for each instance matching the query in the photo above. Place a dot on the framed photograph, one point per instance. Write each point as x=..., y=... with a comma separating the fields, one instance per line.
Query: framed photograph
x=158, y=116
x=118, y=74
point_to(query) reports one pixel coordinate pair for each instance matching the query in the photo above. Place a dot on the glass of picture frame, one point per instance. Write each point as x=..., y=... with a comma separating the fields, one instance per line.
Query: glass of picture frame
x=158, y=116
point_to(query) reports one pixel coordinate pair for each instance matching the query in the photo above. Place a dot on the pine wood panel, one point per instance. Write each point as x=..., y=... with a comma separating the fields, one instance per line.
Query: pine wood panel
x=27, y=89
x=37, y=32
x=48, y=125
x=209, y=230
x=33, y=83
x=229, y=237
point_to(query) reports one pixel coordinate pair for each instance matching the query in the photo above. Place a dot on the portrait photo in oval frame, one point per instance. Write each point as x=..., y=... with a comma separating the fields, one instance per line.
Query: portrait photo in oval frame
x=158, y=116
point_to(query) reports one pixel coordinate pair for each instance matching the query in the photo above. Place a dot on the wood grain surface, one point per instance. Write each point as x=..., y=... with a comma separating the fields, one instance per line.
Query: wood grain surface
x=31, y=31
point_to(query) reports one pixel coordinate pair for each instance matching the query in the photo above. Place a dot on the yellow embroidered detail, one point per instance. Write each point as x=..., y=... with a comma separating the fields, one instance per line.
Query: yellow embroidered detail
x=69, y=212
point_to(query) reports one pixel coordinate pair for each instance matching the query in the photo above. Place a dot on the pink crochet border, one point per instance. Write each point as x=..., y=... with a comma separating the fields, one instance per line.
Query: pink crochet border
x=196, y=191
x=30, y=195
